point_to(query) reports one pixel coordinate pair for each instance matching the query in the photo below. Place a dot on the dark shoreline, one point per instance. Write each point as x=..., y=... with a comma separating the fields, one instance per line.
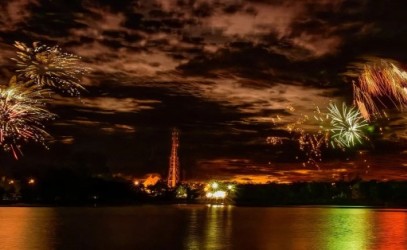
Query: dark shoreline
x=66, y=190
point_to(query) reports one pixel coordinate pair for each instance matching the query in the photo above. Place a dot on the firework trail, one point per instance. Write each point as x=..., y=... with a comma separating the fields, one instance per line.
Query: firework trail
x=21, y=116
x=49, y=67
x=378, y=84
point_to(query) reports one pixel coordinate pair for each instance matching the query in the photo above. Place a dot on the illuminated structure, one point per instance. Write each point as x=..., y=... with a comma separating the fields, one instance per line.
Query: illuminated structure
x=174, y=169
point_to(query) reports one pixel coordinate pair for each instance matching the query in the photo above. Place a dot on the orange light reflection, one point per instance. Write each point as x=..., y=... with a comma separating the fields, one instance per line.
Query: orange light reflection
x=392, y=233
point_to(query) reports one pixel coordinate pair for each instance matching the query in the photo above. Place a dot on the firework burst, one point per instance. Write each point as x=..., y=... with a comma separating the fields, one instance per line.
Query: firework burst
x=347, y=126
x=274, y=140
x=311, y=132
x=25, y=93
x=21, y=117
x=50, y=67
x=378, y=83
x=338, y=127
x=312, y=144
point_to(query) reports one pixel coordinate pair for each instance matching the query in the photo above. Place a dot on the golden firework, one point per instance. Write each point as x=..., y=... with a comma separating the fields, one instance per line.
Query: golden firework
x=22, y=114
x=50, y=67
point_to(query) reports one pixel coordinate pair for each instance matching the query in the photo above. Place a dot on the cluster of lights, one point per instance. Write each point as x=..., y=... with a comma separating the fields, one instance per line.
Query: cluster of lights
x=216, y=190
x=30, y=181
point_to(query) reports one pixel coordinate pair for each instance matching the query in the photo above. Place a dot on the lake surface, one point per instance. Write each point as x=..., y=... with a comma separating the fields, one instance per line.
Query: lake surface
x=202, y=227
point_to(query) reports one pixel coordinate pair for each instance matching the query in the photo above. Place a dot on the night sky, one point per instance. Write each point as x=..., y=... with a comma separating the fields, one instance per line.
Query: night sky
x=220, y=71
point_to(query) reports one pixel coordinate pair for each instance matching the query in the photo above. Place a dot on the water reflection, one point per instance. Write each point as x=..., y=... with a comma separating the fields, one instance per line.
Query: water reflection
x=192, y=240
x=202, y=227
x=26, y=228
x=213, y=229
x=392, y=233
x=318, y=228
x=347, y=228
x=218, y=227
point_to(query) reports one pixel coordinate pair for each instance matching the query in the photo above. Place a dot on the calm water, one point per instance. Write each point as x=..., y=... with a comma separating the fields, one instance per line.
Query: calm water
x=202, y=227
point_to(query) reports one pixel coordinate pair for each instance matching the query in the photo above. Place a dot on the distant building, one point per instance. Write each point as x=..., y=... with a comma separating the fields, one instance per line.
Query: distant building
x=151, y=179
